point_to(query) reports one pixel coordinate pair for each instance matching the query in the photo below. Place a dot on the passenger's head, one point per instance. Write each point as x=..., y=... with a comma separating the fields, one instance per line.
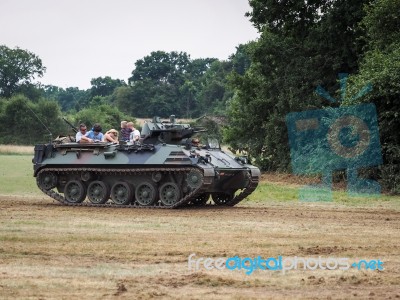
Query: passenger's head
x=97, y=128
x=123, y=124
x=82, y=128
x=113, y=132
x=130, y=125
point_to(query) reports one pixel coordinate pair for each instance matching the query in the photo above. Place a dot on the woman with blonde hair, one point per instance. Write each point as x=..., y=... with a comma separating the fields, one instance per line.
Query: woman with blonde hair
x=111, y=136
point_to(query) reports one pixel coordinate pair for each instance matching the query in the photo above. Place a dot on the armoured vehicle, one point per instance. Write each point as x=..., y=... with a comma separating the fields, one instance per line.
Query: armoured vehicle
x=167, y=168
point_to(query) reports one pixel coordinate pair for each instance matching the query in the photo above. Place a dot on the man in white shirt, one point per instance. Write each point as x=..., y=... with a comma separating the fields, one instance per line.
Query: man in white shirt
x=135, y=134
x=80, y=136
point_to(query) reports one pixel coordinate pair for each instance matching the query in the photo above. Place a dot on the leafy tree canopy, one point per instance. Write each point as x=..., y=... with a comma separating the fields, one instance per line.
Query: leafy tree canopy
x=104, y=86
x=167, y=83
x=25, y=121
x=108, y=117
x=303, y=44
x=161, y=66
x=17, y=67
x=71, y=98
x=380, y=67
x=289, y=16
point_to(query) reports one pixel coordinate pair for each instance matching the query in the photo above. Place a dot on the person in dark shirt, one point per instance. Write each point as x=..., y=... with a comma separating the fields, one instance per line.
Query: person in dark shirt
x=125, y=131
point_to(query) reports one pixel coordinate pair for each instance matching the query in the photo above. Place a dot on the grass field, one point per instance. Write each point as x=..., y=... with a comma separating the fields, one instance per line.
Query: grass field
x=16, y=178
x=49, y=251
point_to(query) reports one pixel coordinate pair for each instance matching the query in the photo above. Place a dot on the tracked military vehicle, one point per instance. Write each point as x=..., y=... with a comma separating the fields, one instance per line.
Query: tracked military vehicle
x=167, y=168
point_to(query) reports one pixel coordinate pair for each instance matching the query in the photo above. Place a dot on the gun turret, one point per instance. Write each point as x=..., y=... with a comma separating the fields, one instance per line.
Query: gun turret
x=72, y=126
x=170, y=132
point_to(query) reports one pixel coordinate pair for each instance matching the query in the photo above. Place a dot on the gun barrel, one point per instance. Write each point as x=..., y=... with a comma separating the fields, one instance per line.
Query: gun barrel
x=72, y=126
x=200, y=130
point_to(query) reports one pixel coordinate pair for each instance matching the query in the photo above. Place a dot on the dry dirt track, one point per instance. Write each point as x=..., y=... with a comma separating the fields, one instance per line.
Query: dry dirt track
x=53, y=251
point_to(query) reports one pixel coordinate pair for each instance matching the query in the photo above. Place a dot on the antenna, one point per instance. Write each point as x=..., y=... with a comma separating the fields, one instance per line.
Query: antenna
x=50, y=134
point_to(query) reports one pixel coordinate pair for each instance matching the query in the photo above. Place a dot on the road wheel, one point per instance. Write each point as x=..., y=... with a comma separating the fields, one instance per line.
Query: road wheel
x=74, y=191
x=146, y=194
x=47, y=180
x=121, y=193
x=98, y=192
x=170, y=193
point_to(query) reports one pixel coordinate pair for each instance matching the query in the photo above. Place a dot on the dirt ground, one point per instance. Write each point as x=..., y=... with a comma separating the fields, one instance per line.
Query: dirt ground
x=50, y=251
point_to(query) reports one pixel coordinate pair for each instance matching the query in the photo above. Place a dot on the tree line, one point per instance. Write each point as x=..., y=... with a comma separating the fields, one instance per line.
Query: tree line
x=161, y=84
x=302, y=45
x=306, y=44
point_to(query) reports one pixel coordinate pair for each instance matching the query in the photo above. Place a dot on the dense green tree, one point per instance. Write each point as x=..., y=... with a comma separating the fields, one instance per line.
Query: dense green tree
x=51, y=91
x=241, y=59
x=382, y=24
x=108, y=116
x=17, y=67
x=164, y=84
x=124, y=99
x=198, y=67
x=156, y=81
x=303, y=44
x=71, y=98
x=380, y=67
x=161, y=67
x=290, y=16
x=188, y=93
x=104, y=86
x=26, y=121
x=32, y=91
x=215, y=90
x=197, y=78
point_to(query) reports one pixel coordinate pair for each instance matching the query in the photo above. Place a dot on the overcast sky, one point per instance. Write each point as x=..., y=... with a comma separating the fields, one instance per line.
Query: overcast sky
x=78, y=40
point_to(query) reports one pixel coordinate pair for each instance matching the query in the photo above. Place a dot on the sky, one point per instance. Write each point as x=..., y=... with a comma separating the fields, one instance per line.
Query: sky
x=78, y=40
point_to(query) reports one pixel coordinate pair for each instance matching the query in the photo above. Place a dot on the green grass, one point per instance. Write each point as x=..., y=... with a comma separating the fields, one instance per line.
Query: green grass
x=272, y=192
x=16, y=175
x=16, y=178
